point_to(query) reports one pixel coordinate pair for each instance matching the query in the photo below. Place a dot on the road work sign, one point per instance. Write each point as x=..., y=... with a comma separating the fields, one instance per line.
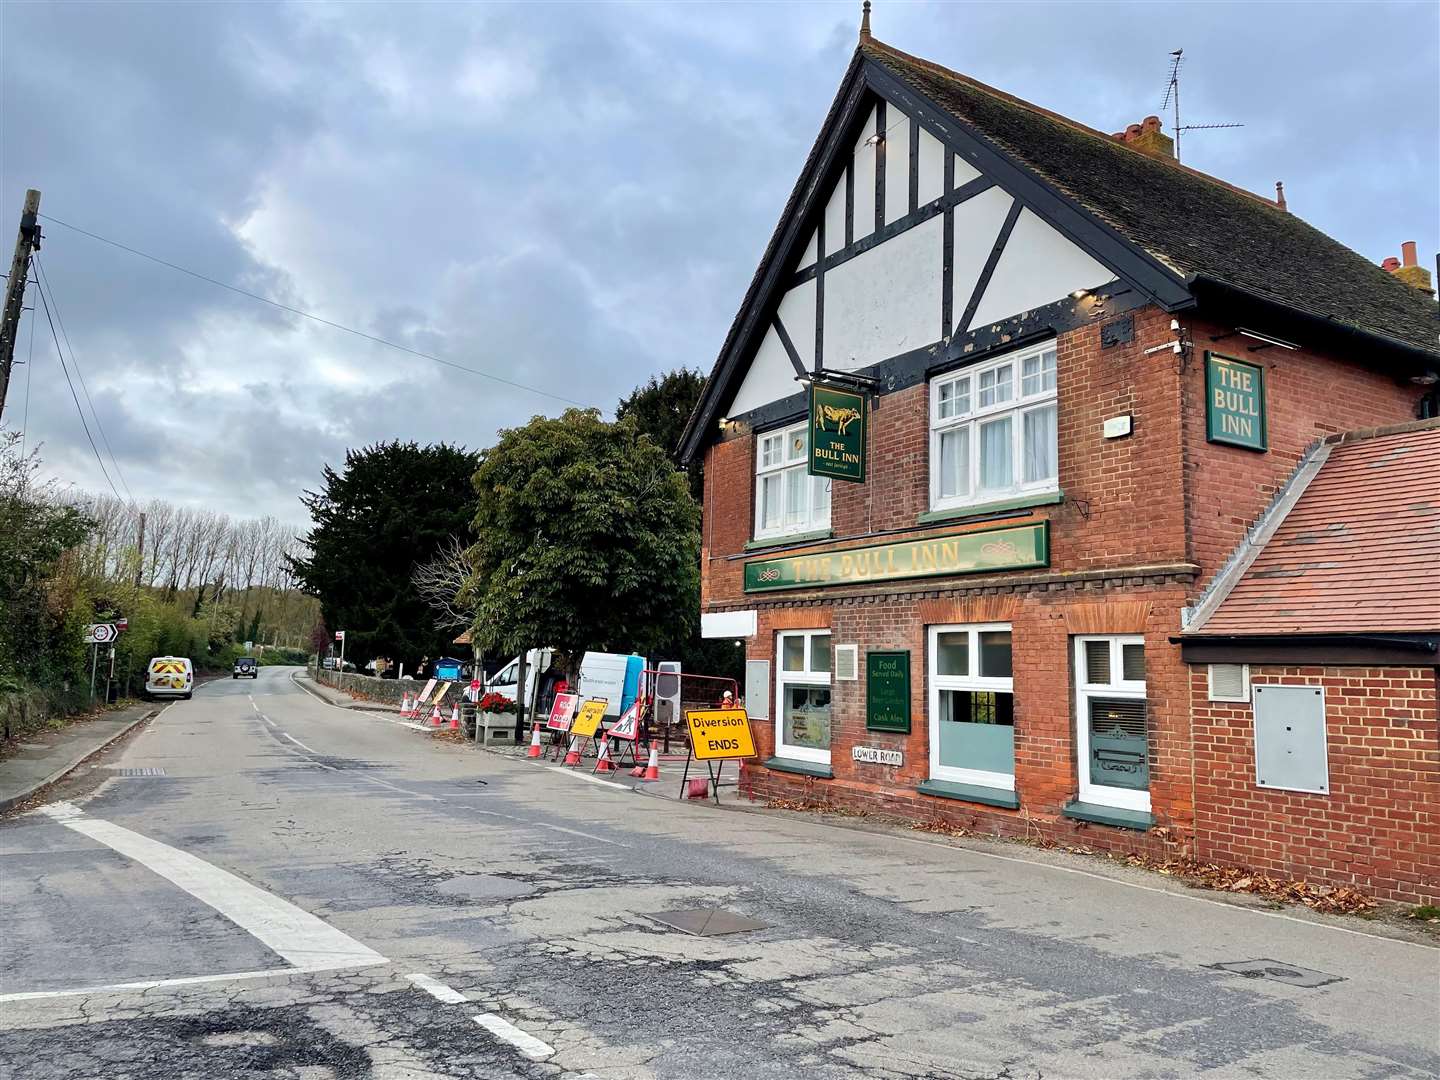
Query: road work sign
x=628, y=726
x=561, y=712
x=717, y=734
x=588, y=722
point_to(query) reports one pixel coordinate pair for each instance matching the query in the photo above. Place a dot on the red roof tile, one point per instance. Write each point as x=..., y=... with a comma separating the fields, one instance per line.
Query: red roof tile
x=1359, y=552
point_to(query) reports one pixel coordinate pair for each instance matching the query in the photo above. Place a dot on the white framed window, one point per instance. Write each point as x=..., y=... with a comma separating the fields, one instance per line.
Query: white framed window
x=1229, y=682
x=787, y=499
x=993, y=430
x=802, y=695
x=972, y=705
x=1112, y=721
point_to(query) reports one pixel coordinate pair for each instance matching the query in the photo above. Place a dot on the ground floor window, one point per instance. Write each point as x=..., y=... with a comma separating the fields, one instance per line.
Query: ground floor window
x=972, y=705
x=1112, y=722
x=802, y=690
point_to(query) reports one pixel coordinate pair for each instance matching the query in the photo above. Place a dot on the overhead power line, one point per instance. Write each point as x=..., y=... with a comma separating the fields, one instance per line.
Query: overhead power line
x=311, y=315
x=73, y=396
x=75, y=363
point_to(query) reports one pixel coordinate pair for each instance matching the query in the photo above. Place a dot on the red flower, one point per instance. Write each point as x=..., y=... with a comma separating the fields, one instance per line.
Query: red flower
x=496, y=703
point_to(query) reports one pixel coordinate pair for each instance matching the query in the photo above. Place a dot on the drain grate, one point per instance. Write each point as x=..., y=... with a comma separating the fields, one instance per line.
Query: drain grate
x=1277, y=972
x=707, y=922
x=119, y=770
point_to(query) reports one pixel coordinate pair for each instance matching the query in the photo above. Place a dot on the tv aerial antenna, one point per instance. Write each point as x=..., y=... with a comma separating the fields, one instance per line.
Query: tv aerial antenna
x=1172, y=101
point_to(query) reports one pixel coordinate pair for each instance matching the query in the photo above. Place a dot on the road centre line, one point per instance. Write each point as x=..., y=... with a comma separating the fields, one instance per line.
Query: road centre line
x=438, y=990
x=526, y=1043
x=298, y=743
x=148, y=984
x=563, y=771
x=305, y=941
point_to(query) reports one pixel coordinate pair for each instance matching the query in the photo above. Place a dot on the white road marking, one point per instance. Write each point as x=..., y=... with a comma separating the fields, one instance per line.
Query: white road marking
x=436, y=989
x=526, y=1043
x=587, y=777
x=577, y=832
x=298, y=743
x=303, y=940
x=151, y=984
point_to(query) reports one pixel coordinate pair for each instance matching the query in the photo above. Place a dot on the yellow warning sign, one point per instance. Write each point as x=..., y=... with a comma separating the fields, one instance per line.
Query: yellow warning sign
x=587, y=721
x=719, y=734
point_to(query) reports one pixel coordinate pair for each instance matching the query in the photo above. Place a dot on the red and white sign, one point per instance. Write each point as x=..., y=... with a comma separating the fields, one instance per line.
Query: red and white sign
x=339, y=635
x=561, y=712
x=628, y=726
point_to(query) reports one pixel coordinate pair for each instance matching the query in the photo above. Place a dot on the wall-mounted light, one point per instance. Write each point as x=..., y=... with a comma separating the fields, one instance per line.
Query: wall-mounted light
x=875, y=140
x=724, y=423
x=1079, y=294
x=1266, y=338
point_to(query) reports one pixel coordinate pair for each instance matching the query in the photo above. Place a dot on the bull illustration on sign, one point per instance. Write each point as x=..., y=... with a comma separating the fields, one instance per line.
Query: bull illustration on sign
x=842, y=418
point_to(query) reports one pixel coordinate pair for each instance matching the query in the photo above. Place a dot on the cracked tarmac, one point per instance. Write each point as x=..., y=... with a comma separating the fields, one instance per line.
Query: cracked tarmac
x=883, y=956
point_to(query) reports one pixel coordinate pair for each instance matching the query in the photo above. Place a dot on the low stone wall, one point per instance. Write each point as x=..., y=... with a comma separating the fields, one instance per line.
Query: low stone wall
x=367, y=687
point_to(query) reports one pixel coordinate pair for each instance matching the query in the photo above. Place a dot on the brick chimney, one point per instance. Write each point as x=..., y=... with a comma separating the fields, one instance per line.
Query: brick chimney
x=1147, y=137
x=1408, y=270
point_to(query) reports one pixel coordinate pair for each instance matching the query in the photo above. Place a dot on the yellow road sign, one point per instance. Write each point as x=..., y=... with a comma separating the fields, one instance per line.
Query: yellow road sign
x=587, y=722
x=717, y=734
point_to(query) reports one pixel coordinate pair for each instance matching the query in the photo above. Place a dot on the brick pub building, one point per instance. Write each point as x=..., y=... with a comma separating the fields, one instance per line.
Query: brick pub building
x=1086, y=373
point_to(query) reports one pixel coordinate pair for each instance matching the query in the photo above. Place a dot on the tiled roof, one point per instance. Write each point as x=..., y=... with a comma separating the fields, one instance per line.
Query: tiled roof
x=1359, y=552
x=1192, y=223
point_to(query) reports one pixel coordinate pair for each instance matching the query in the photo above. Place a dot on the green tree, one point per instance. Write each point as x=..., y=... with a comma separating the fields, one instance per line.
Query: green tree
x=587, y=537
x=389, y=508
x=660, y=409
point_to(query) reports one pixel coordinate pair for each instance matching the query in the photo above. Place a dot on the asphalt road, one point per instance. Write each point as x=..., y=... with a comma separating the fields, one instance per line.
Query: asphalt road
x=297, y=890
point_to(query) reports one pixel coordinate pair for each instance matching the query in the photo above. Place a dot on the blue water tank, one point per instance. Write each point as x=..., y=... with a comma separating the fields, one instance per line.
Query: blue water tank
x=634, y=667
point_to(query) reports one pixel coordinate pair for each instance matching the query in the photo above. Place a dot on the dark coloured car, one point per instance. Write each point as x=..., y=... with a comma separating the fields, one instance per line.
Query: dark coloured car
x=246, y=667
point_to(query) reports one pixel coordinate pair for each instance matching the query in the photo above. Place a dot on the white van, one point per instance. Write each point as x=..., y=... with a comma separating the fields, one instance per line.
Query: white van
x=170, y=676
x=612, y=676
x=506, y=681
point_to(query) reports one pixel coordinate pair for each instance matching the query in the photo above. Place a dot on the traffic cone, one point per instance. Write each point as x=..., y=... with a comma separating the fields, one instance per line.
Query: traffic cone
x=435, y=718
x=572, y=756
x=604, y=764
x=535, y=749
x=405, y=705
x=455, y=717
x=652, y=770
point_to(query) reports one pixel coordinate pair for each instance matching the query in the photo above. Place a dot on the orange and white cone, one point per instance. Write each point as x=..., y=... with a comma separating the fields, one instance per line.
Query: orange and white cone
x=536, y=750
x=572, y=756
x=604, y=764
x=652, y=770
x=435, y=718
x=455, y=717
x=405, y=704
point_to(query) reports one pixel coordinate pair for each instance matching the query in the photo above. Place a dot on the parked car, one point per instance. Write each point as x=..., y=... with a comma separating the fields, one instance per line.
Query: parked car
x=170, y=676
x=246, y=667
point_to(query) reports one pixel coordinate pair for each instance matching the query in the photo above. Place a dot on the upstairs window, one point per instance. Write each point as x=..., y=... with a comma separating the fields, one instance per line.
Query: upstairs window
x=993, y=431
x=787, y=499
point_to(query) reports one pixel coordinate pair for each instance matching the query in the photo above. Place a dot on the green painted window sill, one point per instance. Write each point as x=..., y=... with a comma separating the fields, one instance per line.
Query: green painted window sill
x=981, y=509
x=804, y=768
x=1108, y=815
x=794, y=539
x=945, y=789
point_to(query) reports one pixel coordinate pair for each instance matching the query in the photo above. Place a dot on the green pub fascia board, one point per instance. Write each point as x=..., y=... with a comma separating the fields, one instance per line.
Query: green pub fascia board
x=979, y=551
x=1235, y=402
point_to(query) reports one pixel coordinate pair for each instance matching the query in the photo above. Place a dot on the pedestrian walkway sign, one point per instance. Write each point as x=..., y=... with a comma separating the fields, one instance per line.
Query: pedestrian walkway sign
x=720, y=734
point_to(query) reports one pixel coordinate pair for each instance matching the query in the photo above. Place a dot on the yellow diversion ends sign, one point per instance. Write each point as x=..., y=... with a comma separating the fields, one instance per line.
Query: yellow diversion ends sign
x=719, y=734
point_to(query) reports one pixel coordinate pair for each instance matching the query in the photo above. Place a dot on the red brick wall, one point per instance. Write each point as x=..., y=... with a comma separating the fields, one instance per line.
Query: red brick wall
x=1307, y=396
x=1044, y=624
x=1379, y=827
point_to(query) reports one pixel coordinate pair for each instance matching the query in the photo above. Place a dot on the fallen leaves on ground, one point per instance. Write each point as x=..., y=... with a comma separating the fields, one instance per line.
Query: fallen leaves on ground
x=813, y=807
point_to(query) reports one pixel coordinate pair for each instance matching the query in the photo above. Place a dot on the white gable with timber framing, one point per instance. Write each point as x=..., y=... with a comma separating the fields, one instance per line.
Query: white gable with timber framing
x=910, y=246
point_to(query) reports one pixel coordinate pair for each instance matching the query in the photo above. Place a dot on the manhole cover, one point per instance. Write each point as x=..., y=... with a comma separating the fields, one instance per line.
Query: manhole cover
x=707, y=922
x=1277, y=972
x=121, y=771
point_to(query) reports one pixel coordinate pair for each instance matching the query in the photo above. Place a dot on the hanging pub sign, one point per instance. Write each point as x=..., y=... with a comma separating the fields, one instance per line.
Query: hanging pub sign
x=1015, y=547
x=1234, y=402
x=837, y=434
x=887, y=691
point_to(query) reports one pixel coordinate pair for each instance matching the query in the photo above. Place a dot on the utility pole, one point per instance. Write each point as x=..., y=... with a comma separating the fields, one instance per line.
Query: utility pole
x=140, y=550
x=27, y=241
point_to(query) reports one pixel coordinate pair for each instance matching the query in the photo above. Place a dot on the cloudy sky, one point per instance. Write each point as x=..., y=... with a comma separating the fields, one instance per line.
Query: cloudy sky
x=569, y=196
